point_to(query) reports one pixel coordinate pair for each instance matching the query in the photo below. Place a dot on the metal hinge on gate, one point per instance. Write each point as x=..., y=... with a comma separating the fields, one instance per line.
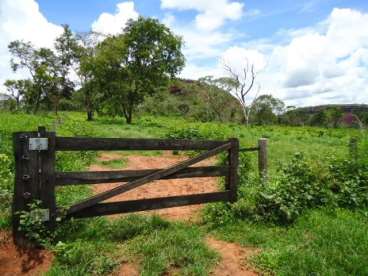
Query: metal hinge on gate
x=38, y=143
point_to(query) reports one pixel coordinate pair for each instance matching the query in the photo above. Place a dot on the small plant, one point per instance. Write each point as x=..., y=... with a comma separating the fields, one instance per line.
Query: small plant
x=85, y=258
x=6, y=186
x=32, y=223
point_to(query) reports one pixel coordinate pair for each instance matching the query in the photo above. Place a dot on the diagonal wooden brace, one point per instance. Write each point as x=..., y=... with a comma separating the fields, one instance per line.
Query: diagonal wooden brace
x=141, y=181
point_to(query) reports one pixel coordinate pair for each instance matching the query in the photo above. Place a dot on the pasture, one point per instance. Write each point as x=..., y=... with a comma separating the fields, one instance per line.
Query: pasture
x=297, y=223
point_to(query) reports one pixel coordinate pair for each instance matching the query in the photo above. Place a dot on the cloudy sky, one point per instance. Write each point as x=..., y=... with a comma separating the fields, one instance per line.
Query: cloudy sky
x=306, y=52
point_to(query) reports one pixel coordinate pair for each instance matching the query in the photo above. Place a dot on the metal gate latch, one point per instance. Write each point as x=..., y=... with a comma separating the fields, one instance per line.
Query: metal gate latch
x=38, y=143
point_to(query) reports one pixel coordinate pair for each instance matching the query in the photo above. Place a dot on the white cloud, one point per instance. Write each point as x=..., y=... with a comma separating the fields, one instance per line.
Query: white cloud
x=333, y=60
x=111, y=24
x=198, y=44
x=212, y=14
x=238, y=58
x=22, y=20
x=326, y=63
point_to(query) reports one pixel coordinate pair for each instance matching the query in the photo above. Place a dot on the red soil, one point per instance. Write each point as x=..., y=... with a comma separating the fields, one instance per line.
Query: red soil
x=161, y=188
x=15, y=261
x=233, y=258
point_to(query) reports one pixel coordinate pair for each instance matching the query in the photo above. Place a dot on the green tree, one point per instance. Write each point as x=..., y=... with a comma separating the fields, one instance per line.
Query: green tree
x=49, y=69
x=86, y=71
x=219, y=107
x=266, y=109
x=19, y=90
x=137, y=63
x=40, y=65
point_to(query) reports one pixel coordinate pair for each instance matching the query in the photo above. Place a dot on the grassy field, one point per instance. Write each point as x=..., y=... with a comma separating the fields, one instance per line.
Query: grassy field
x=327, y=240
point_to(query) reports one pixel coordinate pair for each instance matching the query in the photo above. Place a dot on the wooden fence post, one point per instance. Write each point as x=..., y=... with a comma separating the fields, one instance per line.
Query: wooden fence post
x=262, y=159
x=24, y=182
x=233, y=177
x=34, y=178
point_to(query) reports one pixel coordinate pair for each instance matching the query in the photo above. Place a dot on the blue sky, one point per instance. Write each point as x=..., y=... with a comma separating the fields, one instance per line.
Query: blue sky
x=275, y=14
x=305, y=52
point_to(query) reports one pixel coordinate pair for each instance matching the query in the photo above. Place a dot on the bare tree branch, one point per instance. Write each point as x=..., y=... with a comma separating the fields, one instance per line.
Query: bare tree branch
x=243, y=85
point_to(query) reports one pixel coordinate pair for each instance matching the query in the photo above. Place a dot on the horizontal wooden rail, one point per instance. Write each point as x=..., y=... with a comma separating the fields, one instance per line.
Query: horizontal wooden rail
x=75, y=178
x=111, y=208
x=85, y=143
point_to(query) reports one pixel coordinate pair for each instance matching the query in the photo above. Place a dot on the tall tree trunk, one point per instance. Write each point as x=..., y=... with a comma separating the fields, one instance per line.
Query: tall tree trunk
x=89, y=107
x=129, y=119
x=89, y=115
x=128, y=111
x=37, y=104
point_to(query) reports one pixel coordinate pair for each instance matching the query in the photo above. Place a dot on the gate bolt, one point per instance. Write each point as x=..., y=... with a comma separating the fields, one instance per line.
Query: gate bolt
x=26, y=195
x=23, y=137
x=25, y=157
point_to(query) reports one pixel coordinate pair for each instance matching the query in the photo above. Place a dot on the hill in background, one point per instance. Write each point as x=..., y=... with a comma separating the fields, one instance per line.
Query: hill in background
x=194, y=99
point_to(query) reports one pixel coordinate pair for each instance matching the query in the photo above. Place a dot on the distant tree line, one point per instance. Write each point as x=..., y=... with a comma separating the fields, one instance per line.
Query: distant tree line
x=110, y=75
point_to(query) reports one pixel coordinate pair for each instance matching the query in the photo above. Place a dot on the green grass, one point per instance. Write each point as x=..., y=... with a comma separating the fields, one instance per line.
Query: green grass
x=319, y=243
x=97, y=246
x=180, y=247
x=114, y=163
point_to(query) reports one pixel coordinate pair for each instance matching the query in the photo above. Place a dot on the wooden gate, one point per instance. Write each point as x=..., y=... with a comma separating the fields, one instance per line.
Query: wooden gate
x=36, y=177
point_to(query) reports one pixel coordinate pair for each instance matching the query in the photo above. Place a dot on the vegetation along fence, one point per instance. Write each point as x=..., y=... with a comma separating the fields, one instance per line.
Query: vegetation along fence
x=36, y=177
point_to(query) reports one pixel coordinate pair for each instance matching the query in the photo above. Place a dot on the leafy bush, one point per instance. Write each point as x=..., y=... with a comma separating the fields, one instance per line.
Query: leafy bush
x=6, y=189
x=349, y=183
x=297, y=188
x=185, y=133
x=31, y=222
x=217, y=214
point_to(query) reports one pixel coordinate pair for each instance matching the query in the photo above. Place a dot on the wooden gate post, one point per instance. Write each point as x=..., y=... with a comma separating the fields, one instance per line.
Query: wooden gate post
x=34, y=177
x=262, y=159
x=233, y=177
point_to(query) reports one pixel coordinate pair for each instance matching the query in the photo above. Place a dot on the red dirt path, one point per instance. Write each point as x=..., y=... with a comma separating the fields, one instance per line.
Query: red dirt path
x=233, y=256
x=161, y=188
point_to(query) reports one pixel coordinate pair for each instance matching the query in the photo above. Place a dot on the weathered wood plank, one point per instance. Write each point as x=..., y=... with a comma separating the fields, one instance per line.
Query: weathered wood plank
x=141, y=181
x=75, y=178
x=85, y=143
x=262, y=159
x=26, y=181
x=111, y=208
x=233, y=159
x=47, y=176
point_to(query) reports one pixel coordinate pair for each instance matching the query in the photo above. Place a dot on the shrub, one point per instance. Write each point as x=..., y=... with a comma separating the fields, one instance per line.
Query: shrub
x=6, y=189
x=349, y=183
x=31, y=222
x=296, y=189
x=217, y=214
x=185, y=133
